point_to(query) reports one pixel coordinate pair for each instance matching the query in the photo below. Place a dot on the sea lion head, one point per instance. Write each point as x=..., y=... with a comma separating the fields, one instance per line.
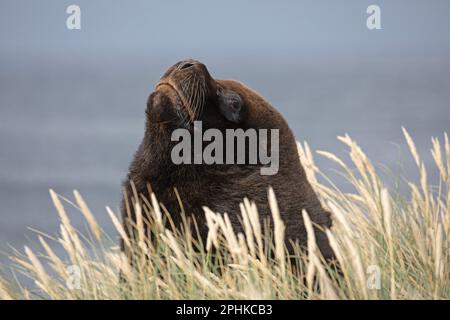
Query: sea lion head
x=187, y=93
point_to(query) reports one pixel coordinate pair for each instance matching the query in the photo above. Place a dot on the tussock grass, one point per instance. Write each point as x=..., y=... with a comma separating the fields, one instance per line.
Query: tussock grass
x=387, y=246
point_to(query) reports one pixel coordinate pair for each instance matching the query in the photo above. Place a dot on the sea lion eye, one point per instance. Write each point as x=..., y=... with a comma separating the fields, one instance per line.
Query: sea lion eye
x=231, y=106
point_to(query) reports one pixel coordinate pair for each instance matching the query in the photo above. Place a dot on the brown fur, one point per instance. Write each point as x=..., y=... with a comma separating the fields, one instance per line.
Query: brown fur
x=220, y=187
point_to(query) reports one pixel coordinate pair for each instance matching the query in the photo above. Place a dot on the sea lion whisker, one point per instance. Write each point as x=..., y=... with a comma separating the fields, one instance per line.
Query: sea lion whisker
x=196, y=96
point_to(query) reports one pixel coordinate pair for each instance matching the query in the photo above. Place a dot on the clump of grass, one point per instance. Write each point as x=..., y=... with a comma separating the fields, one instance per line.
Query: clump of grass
x=387, y=247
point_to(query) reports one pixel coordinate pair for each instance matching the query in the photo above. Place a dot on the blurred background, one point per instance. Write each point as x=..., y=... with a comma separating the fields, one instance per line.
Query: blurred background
x=72, y=101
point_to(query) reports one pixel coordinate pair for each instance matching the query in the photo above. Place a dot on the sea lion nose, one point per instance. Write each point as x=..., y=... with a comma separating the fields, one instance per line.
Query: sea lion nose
x=187, y=64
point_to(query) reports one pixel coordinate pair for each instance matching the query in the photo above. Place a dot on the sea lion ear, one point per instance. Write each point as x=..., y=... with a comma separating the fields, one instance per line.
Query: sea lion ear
x=231, y=106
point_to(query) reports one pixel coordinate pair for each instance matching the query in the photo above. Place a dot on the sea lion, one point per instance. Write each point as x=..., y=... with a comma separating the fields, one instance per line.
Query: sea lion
x=187, y=93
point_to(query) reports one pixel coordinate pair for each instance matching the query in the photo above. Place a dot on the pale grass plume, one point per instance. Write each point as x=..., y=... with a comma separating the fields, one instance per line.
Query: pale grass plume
x=412, y=147
x=315, y=265
x=87, y=215
x=42, y=278
x=119, y=227
x=4, y=292
x=387, y=211
x=55, y=262
x=279, y=229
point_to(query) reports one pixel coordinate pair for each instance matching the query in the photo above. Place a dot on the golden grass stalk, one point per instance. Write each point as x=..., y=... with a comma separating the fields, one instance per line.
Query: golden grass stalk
x=4, y=292
x=87, y=215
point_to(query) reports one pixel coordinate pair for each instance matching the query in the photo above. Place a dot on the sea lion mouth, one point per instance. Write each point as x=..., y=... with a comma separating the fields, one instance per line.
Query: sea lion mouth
x=189, y=80
x=181, y=97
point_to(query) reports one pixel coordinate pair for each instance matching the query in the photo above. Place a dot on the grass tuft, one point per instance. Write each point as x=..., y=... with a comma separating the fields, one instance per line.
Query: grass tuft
x=387, y=246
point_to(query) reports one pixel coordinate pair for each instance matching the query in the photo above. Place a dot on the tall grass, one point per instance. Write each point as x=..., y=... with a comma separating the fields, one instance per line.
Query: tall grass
x=387, y=246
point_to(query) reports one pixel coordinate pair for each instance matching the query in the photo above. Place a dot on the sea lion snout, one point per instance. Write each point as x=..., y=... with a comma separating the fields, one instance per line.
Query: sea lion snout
x=189, y=85
x=186, y=69
x=187, y=64
x=191, y=89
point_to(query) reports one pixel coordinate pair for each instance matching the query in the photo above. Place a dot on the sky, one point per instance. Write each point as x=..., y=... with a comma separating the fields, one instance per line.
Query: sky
x=229, y=27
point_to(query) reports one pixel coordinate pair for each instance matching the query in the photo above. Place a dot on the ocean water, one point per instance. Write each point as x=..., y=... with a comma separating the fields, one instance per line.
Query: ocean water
x=75, y=124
